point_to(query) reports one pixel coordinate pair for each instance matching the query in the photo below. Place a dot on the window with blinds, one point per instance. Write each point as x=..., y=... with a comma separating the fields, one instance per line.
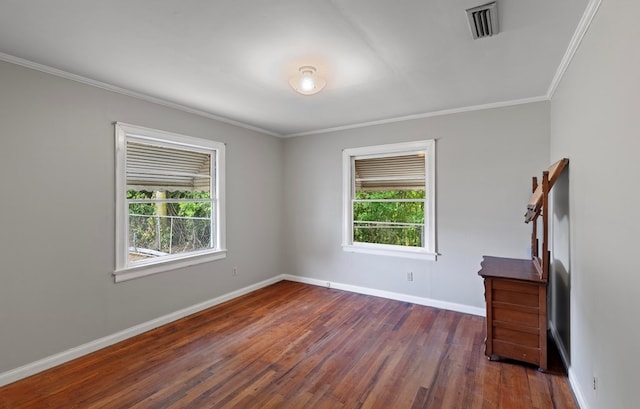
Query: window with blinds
x=388, y=199
x=169, y=206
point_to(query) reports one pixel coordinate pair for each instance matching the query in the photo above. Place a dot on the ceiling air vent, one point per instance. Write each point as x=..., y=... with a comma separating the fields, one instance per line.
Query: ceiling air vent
x=483, y=20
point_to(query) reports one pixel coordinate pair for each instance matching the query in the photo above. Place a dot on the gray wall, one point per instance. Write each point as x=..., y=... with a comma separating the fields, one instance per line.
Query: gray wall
x=485, y=161
x=57, y=216
x=594, y=122
x=57, y=211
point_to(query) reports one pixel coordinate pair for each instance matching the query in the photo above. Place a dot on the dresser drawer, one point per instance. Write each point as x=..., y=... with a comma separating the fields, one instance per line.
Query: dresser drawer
x=516, y=286
x=525, y=316
x=514, y=351
x=516, y=336
x=514, y=297
x=514, y=292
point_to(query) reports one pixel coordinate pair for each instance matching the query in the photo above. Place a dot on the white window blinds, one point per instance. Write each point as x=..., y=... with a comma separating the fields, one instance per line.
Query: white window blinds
x=406, y=172
x=160, y=168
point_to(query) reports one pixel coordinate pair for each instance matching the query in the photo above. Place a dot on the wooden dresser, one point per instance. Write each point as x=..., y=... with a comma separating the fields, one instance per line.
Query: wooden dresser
x=516, y=290
x=516, y=310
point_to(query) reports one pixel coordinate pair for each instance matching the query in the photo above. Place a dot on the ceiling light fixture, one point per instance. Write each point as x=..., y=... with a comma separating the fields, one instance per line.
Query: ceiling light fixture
x=307, y=82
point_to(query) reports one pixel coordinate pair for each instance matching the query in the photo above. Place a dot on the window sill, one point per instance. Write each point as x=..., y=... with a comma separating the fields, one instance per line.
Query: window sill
x=143, y=270
x=392, y=251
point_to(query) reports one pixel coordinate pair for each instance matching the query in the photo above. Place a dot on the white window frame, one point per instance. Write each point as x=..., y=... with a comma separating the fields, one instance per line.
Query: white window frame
x=126, y=270
x=428, y=251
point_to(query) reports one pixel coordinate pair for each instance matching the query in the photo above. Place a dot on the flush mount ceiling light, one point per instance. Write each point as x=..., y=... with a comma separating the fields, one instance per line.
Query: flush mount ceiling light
x=307, y=82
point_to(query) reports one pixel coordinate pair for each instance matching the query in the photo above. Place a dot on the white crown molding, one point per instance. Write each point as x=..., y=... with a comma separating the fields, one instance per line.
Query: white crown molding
x=99, y=84
x=423, y=115
x=138, y=95
x=578, y=35
x=428, y=302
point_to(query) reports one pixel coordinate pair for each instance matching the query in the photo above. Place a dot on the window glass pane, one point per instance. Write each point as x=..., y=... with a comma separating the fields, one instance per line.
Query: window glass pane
x=396, y=223
x=160, y=229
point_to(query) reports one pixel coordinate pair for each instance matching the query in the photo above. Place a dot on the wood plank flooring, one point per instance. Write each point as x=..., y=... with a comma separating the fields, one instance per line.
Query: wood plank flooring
x=291, y=346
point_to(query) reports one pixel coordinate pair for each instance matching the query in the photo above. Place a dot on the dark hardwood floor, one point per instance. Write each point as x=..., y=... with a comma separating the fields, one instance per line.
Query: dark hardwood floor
x=293, y=345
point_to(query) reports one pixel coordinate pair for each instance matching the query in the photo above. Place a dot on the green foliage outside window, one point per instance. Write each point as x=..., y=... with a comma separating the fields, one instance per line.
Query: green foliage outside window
x=385, y=221
x=185, y=209
x=169, y=227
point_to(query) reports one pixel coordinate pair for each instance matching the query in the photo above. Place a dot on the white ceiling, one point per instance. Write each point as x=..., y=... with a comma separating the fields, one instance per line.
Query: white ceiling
x=382, y=59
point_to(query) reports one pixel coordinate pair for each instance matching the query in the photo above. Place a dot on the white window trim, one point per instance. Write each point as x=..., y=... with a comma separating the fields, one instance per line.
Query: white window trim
x=428, y=252
x=124, y=271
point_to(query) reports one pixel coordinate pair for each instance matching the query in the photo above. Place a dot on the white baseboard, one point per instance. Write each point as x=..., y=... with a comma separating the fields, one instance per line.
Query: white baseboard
x=84, y=349
x=573, y=382
x=467, y=309
x=577, y=392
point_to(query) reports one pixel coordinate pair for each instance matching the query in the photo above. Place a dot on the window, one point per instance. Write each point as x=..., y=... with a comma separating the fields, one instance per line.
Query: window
x=169, y=201
x=388, y=199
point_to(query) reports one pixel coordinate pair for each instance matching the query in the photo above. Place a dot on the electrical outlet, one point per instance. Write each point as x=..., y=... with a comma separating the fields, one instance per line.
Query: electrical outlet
x=235, y=271
x=410, y=276
x=595, y=383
